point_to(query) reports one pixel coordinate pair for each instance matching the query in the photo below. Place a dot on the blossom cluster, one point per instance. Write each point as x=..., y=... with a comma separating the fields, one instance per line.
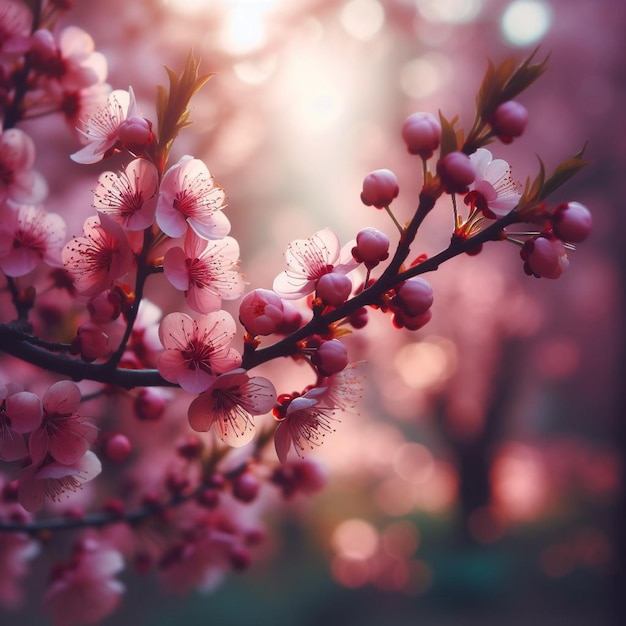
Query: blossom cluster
x=158, y=220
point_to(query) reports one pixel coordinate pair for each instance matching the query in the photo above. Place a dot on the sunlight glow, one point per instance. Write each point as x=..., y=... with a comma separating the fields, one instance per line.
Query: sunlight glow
x=425, y=75
x=362, y=19
x=451, y=11
x=526, y=21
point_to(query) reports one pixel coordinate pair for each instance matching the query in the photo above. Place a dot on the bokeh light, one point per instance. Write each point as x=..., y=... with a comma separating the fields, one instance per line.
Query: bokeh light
x=525, y=22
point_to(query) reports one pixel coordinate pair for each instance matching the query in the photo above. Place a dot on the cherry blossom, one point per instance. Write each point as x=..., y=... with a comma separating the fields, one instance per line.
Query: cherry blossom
x=493, y=191
x=189, y=195
x=28, y=236
x=205, y=270
x=78, y=106
x=55, y=480
x=63, y=434
x=101, y=256
x=196, y=351
x=84, y=590
x=69, y=57
x=228, y=405
x=129, y=196
x=102, y=128
x=310, y=259
x=19, y=183
x=307, y=421
x=20, y=412
x=261, y=311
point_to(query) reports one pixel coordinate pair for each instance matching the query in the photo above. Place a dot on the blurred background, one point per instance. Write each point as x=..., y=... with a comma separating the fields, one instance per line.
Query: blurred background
x=481, y=481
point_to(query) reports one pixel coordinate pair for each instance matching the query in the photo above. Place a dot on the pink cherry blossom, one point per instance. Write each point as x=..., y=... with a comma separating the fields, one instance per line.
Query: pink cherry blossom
x=63, y=434
x=205, y=270
x=493, y=191
x=80, y=105
x=101, y=132
x=84, y=590
x=28, y=236
x=20, y=412
x=189, y=195
x=129, y=197
x=196, y=351
x=343, y=389
x=307, y=421
x=261, y=311
x=96, y=260
x=55, y=480
x=228, y=405
x=19, y=183
x=68, y=57
x=310, y=259
x=15, y=21
x=310, y=417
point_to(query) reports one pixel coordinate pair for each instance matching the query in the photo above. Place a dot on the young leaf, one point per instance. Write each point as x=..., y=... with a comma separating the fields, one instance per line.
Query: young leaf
x=173, y=105
x=448, y=135
x=563, y=173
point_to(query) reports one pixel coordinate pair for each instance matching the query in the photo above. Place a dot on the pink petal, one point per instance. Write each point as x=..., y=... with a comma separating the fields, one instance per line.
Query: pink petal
x=175, y=268
x=215, y=227
x=175, y=330
x=25, y=411
x=282, y=441
x=62, y=397
x=203, y=300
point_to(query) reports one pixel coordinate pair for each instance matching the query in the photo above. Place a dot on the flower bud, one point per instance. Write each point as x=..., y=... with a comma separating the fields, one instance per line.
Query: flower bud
x=105, y=307
x=571, y=221
x=333, y=288
x=135, y=134
x=509, y=120
x=90, y=342
x=379, y=188
x=372, y=247
x=456, y=172
x=544, y=257
x=414, y=297
x=118, y=448
x=149, y=404
x=402, y=320
x=246, y=487
x=422, y=133
x=331, y=357
x=261, y=311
